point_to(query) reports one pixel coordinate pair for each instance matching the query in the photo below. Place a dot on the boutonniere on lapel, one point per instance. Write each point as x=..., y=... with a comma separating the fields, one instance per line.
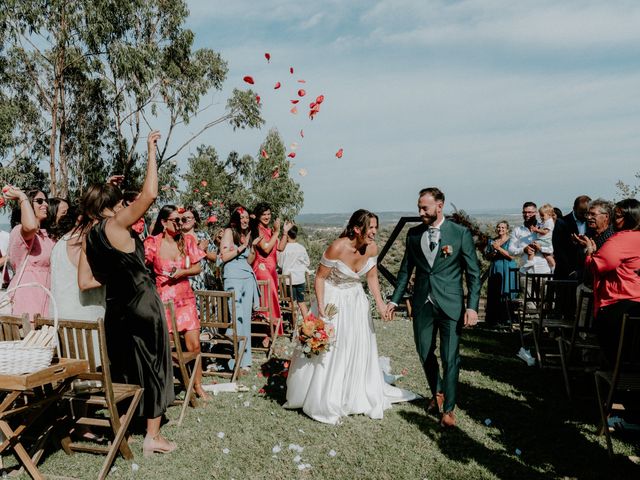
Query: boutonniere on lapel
x=447, y=250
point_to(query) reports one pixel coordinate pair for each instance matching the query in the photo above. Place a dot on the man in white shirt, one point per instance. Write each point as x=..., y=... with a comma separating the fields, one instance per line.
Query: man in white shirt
x=294, y=260
x=523, y=242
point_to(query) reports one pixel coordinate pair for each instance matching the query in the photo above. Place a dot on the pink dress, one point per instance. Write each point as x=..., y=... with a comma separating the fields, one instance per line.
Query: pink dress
x=30, y=300
x=264, y=266
x=179, y=290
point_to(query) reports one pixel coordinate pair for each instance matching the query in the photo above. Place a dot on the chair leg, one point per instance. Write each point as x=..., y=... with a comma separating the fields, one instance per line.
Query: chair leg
x=604, y=412
x=536, y=332
x=242, y=344
x=190, y=394
x=565, y=368
x=274, y=335
x=119, y=442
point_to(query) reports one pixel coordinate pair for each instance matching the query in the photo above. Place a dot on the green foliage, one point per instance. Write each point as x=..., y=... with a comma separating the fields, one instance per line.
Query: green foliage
x=82, y=81
x=628, y=191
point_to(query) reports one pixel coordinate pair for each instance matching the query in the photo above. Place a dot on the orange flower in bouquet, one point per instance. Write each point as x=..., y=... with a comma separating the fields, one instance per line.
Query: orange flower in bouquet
x=316, y=335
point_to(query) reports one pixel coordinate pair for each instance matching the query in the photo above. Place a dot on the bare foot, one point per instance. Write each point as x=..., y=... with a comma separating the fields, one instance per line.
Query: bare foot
x=157, y=444
x=202, y=395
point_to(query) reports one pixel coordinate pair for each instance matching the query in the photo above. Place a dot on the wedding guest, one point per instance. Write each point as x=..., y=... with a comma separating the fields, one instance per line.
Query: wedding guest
x=616, y=283
x=237, y=253
x=130, y=196
x=136, y=330
x=568, y=253
x=190, y=222
x=501, y=282
x=29, y=251
x=56, y=211
x=265, y=261
x=544, y=229
x=599, y=220
x=522, y=242
x=174, y=257
x=294, y=260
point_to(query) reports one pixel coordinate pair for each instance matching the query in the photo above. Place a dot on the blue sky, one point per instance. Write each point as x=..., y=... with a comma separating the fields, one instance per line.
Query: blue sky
x=494, y=101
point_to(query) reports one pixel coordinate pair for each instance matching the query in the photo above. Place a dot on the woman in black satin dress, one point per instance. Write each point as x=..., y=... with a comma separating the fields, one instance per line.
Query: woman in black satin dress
x=136, y=330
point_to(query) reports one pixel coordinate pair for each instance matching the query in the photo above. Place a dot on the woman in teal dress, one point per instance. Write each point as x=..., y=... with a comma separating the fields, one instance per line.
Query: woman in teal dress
x=501, y=282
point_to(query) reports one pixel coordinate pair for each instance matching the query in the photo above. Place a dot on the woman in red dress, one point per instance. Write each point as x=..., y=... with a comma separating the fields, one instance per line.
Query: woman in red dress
x=265, y=262
x=174, y=257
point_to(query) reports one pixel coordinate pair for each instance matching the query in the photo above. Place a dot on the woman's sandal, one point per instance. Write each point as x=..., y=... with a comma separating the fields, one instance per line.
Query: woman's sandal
x=149, y=451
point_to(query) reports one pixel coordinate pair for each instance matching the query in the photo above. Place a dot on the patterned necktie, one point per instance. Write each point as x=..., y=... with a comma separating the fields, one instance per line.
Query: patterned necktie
x=433, y=238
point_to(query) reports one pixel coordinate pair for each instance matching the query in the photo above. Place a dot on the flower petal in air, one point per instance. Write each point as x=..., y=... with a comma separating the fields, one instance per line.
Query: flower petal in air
x=319, y=99
x=301, y=92
x=291, y=70
x=257, y=98
x=295, y=101
x=302, y=133
x=263, y=154
x=275, y=174
x=292, y=155
x=267, y=56
x=277, y=85
x=249, y=80
x=339, y=153
x=302, y=172
x=294, y=110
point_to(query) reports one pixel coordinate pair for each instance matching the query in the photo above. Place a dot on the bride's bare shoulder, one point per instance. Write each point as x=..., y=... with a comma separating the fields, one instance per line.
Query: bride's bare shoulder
x=372, y=249
x=336, y=249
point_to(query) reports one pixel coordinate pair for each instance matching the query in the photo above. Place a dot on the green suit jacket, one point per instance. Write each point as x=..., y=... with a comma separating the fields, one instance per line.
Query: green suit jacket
x=442, y=281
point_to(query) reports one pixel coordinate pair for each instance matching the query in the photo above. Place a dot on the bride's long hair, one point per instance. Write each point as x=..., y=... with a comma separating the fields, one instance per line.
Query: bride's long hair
x=359, y=219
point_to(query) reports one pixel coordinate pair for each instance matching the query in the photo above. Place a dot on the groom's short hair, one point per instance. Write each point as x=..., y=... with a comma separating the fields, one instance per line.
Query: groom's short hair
x=435, y=192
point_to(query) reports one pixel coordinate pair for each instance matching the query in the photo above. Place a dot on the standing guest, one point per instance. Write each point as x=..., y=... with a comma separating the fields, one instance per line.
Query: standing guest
x=523, y=242
x=294, y=260
x=599, y=220
x=56, y=211
x=568, y=253
x=265, y=262
x=237, y=255
x=130, y=196
x=441, y=253
x=29, y=251
x=616, y=283
x=174, y=257
x=136, y=330
x=500, y=285
x=205, y=280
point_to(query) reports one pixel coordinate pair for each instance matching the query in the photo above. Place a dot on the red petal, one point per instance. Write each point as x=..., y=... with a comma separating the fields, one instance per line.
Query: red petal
x=339, y=153
x=301, y=93
x=267, y=56
x=277, y=86
x=276, y=173
x=210, y=203
x=257, y=98
x=264, y=154
x=319, y=99
x=196, y=190
x=302, y=133
x=249, y=80
x=294, y=110
x=294, y=101
x=291, y=70
x=292, y=155
x=313, y=104
x=302, y=81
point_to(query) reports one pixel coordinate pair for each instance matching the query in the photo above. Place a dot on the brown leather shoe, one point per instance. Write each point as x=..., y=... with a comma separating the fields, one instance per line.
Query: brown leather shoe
x=448, y=420
x=435, y=405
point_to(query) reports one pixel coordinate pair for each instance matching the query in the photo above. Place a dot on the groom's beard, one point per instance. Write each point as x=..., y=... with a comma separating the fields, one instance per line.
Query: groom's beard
x=429, y=219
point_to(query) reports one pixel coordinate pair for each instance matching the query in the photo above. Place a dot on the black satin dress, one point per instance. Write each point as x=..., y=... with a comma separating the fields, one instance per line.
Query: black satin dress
x=136, y=330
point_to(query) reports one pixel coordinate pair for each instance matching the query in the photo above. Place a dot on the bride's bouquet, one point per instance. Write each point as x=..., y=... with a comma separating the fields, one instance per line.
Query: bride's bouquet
x=316, y=335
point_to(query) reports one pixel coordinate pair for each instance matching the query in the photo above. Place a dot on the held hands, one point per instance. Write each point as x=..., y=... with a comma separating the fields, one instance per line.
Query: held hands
x=390, y=310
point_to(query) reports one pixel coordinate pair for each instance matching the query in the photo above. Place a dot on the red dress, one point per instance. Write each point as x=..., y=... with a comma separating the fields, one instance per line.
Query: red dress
x=264, y=266
x=179, y=290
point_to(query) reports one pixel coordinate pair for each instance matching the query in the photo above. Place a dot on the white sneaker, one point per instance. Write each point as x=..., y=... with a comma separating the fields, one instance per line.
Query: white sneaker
x=525, y=355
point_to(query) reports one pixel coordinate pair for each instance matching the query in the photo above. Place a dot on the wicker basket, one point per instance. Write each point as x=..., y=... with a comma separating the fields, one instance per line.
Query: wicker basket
x=16, y=358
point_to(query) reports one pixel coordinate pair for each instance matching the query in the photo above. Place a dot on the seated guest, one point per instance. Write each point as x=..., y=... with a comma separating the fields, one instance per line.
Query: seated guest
x=568, y=253
x=500, y=288
x=29, y=251
x=522, y=242
x=616, y=283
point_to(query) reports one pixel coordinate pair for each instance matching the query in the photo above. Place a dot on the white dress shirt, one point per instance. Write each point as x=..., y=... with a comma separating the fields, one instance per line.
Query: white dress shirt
x=521, y=236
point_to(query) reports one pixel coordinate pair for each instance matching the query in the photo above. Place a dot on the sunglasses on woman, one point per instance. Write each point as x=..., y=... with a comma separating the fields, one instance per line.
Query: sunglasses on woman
x=39, y=201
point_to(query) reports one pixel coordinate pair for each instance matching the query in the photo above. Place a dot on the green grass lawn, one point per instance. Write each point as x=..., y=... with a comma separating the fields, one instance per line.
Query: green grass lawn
x=534, y=432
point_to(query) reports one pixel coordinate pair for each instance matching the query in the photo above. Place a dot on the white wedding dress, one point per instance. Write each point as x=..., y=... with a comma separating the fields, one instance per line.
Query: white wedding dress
x=347, y=379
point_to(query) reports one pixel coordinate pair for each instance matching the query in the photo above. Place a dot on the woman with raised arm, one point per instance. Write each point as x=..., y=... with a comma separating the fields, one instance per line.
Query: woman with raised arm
x=347, y=379
x=136, y=329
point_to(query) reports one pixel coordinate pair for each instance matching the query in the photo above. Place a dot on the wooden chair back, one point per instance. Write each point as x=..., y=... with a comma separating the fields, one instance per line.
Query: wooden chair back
x=264, y=290
x=261, y=327
x=285, y=296
x=558, y=301
x=218, y=318
x=14, y=327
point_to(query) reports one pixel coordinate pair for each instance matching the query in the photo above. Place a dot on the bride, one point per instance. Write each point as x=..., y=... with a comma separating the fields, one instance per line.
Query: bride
x=347, y=379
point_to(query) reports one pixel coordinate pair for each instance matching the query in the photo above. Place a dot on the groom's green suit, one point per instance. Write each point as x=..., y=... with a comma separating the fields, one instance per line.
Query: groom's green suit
x=438, y=300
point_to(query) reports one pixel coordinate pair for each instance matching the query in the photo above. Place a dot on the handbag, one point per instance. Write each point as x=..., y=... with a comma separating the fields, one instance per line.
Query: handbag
x=6, y=295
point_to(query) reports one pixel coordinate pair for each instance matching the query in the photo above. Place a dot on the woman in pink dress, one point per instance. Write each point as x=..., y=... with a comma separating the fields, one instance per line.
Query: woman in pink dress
x=174, y=257
x=265, y=262
x=29, y=243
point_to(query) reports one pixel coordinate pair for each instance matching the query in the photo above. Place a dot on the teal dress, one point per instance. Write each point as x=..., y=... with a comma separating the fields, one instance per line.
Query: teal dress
x=500, y=285
x=238, y=277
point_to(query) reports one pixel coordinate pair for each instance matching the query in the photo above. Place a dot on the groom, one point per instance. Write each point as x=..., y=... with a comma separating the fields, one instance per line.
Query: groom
x=439, y=251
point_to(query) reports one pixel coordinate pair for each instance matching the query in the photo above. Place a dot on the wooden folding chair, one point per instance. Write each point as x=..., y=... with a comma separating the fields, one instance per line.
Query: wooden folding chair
x=625, y=376
x=261, y=326
x=14, y=327
x=187, y=364
x=531, y=292
x=218, y=318
x=77, y=341
x=582, y=340
x=556, y=313
x=285, y=296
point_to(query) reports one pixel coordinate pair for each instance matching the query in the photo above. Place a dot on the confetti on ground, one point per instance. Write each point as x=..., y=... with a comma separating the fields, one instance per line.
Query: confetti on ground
x=487, y=421
x=226, y=451
x=297, y=458
x=220, y=434
x=246, y=403
x=332, y=453
x=301, y=430
x=276, y=449
x=518, y=452
x=296, y=447
x=135, y=467
x=303, y=466
x=198, y=420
